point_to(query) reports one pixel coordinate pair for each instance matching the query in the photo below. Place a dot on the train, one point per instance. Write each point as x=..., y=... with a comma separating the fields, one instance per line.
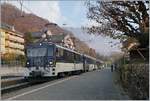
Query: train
x=46, y=59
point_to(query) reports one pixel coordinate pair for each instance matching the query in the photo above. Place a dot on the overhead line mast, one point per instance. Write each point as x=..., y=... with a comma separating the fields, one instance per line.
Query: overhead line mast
x=21, y=6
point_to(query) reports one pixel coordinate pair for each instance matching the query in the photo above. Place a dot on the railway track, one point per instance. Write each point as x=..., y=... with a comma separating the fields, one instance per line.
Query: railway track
x=10, y=84
x=13, y=84
x=14, y=87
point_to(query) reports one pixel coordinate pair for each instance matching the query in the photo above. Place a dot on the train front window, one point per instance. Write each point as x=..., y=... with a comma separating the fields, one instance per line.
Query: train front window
x=35, y=52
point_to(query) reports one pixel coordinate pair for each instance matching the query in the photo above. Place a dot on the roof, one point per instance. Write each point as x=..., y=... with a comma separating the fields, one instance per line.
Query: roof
x=51, y=24
x=37, y=34
x=59, y=46
x=87, y=56
x=6, y=26
x=68, y=49
x=51, y=38
x=9, y=28
x=38, y=44
x=56, y=38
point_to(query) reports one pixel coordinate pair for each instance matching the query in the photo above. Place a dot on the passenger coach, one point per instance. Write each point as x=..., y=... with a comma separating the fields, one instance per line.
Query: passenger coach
x=47, y=60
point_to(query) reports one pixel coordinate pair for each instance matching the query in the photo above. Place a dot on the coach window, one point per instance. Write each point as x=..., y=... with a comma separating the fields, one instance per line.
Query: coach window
x=59, y=52
x=71, y=57
x=50, y=51
x=75, y=57
x=65, y=56
x=88, y=60
x=68, y=56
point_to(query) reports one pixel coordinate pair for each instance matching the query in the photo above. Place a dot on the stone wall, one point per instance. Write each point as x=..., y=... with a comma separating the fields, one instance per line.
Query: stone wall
x=135, y=78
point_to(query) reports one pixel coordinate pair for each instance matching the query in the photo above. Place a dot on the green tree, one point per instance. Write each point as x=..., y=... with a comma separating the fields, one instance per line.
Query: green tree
x=9, y=58
x=21, y=58
x=28, y=38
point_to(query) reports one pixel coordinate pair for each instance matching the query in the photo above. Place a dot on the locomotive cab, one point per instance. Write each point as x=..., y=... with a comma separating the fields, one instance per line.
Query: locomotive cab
x=40, y=59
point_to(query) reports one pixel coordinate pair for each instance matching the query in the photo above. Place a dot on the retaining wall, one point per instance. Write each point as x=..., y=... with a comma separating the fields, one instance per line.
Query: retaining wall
x=135, y=77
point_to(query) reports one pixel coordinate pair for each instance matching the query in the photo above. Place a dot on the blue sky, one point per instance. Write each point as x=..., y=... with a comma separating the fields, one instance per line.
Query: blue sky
x=73, y=14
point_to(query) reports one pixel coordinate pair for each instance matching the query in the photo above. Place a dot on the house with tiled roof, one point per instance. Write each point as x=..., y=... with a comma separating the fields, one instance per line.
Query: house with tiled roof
x=62, y=39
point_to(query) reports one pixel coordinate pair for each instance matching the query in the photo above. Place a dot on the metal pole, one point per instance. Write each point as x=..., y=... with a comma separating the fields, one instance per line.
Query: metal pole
x=21, y=4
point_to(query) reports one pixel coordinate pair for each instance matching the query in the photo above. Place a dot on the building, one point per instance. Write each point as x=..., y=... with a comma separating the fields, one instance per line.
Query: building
x=62, y=39
x=11, y=41
x=92, y=52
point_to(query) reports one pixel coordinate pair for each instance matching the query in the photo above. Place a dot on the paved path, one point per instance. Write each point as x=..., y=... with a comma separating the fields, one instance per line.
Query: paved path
x=96, y=85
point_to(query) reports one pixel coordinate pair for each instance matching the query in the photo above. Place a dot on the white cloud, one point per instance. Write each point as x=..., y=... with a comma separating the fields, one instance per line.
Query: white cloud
x=55, y=13
x=46, y=9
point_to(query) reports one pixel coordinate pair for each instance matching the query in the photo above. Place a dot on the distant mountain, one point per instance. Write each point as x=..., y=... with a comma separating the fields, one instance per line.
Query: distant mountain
x=32, y=23
x=26, y=23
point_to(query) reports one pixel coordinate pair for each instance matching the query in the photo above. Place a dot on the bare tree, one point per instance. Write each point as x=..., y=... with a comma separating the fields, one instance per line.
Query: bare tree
x=119, y=19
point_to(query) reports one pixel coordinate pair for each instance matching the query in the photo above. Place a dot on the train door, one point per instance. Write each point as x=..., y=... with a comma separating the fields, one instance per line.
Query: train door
x=75, y=61
x=84, y=64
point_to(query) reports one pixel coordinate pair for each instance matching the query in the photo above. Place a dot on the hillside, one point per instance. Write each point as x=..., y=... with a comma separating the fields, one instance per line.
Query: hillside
x=32, y=23
x=26, y=23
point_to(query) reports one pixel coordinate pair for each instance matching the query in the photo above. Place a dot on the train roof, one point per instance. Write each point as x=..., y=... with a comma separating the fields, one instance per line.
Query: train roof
x=50, y=43
x=89, y=57
x=68, y=49
x=39, y=44
x=99, y=61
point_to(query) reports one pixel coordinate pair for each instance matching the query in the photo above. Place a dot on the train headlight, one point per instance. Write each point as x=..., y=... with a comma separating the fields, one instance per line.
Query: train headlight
x=50, y=63
x=27, y=63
